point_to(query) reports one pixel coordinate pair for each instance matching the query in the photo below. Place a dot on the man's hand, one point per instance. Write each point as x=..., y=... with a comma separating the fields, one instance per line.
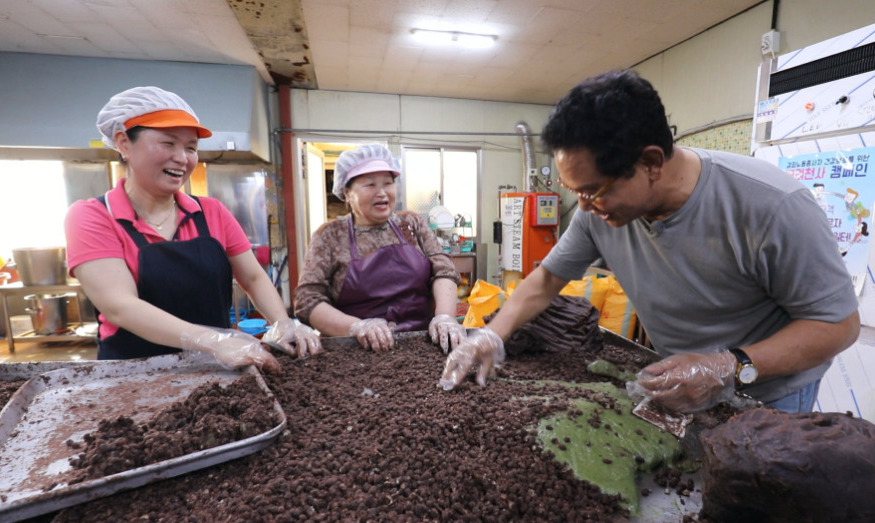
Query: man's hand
x=484, y=347
x=446, y=331
x=373, y=333
x=294, y=337
x=689, y=382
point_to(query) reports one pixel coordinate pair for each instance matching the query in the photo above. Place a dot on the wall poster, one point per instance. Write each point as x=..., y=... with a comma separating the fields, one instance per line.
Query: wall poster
x=843, y=183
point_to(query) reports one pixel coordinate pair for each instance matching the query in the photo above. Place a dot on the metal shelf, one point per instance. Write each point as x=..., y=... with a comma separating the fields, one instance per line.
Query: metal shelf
x=71, y=336
x=18, y=289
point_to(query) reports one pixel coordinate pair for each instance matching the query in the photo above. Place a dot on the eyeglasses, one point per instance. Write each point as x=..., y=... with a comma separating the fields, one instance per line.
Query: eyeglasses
x=591, y=196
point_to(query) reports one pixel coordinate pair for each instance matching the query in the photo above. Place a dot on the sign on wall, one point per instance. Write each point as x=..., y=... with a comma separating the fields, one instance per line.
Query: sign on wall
x=843, y=183
x=511, y=213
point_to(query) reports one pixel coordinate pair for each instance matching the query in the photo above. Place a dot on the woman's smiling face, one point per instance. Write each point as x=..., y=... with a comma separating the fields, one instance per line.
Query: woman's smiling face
x=371, y=197
x=161, y=159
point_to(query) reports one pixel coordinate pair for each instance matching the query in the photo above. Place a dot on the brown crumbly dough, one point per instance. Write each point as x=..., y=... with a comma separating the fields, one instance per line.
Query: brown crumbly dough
x=212, y=415
x=768, y=465
x=372, y=438
x=568, y=323
x=7, y=389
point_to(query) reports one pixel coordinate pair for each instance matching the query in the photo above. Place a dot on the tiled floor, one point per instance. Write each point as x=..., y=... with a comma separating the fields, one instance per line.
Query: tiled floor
x=47, y=351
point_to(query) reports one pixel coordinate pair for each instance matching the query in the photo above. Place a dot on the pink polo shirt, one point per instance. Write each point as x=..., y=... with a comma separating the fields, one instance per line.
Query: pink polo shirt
x=93, y=232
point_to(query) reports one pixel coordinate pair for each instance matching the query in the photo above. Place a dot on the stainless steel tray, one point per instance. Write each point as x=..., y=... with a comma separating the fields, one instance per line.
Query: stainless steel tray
x=67, y=403
x=27, y=370
x=659, y=506
x=346, y=342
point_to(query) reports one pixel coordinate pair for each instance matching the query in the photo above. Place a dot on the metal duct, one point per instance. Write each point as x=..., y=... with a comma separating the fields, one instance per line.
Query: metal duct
x=522, y=129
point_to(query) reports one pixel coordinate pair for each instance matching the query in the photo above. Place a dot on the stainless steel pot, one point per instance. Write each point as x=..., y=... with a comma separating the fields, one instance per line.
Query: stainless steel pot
x=41, y=266
x=48, y=312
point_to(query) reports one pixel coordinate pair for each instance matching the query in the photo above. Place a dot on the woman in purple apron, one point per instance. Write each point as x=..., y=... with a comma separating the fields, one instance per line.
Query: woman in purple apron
x=376, y=271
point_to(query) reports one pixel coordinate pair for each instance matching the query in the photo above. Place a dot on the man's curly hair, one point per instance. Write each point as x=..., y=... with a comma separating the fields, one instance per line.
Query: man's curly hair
x=614, y=115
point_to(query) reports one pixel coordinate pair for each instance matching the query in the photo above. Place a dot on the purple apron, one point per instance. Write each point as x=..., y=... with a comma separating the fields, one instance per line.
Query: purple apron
x=390, y=283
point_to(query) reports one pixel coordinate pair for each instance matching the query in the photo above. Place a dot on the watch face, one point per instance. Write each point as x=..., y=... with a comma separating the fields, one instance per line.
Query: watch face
x=747, y=374
x=545, y=170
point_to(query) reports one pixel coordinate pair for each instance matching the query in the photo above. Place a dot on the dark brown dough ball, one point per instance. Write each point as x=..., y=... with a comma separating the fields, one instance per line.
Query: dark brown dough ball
x=768, y=465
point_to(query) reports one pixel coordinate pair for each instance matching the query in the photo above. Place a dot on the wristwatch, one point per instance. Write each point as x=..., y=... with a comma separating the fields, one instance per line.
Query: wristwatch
x=745, y=371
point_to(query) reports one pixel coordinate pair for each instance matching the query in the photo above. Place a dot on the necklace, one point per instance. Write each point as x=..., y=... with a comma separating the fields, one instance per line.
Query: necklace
x=160, y=224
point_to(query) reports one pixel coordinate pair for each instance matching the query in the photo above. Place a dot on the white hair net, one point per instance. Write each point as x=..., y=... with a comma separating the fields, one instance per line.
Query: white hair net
x=366, y=159
x=137, y=102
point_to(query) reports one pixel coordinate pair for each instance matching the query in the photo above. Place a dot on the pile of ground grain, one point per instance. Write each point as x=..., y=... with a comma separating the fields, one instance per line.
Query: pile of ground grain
x=7, y=389
x=371, y=437
x=210, y=416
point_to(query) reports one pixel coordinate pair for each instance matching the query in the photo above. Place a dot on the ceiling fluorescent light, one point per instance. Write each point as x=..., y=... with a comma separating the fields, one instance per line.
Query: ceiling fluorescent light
x=474, y=40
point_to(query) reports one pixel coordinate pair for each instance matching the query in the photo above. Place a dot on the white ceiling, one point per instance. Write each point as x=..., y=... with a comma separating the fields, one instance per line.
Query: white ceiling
x=544, y=47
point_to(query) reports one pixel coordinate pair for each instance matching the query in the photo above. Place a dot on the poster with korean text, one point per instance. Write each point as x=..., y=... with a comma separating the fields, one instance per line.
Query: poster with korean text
x=842, y=183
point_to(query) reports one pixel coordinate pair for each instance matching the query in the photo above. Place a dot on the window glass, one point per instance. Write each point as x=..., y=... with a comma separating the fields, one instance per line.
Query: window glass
x=422, y=179
x=460, y=185
x=444, y=177
x=33, y=204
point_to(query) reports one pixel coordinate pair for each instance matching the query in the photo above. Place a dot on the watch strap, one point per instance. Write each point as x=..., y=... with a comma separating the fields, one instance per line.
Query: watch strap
x=741, y=356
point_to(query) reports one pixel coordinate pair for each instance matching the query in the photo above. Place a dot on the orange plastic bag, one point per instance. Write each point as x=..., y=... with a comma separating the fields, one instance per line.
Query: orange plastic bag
x=485, y=299
x=618, y=314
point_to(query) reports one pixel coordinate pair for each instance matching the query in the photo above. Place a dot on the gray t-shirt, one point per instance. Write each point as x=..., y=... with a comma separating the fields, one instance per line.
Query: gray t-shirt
x=747, y=253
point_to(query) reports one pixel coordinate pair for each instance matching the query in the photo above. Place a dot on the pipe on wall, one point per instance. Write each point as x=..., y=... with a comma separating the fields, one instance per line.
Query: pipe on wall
x=776, y=8
x=287, y=172
x=522, y=129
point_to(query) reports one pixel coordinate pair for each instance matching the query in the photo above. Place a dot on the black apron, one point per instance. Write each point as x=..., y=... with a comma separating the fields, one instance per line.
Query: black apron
x=189, y=279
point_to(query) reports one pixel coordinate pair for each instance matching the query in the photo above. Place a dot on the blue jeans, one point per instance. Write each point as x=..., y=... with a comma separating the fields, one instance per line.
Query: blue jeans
x=800, y=401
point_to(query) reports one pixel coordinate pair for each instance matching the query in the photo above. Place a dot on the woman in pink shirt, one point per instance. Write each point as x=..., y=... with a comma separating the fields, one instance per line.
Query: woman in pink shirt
x=158, y=263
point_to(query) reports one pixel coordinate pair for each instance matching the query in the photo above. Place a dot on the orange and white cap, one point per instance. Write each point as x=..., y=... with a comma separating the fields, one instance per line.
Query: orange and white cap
x=147, y=106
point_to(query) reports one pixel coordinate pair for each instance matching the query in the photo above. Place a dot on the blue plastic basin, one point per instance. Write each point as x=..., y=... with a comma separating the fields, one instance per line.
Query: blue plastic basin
x=254, y=326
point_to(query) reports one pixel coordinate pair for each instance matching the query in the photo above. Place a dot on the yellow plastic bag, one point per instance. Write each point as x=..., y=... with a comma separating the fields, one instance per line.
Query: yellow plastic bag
x=576, y=288
x=591, y=287
x=618, y=314
x=510, y=288
x=485, y=299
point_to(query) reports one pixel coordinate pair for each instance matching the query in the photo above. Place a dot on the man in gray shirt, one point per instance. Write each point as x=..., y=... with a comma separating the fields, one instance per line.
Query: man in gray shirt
x=729, y=262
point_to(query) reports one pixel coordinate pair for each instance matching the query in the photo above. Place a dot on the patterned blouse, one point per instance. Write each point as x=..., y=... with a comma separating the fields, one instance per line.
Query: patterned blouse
x=327, y=260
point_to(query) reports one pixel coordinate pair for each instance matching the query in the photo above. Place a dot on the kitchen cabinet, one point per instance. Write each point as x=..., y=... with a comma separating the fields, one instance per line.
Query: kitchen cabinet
x=17, y=289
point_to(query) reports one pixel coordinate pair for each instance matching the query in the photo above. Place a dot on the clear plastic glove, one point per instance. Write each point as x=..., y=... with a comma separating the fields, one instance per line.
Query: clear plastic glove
x=484, y=347
x=446, y=331
x=373, y=333
x=232, y=348
x=688, y=382
x=293, y=337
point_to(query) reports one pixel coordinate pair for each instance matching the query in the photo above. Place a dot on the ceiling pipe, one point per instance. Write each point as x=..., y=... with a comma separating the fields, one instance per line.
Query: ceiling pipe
x=287, y=172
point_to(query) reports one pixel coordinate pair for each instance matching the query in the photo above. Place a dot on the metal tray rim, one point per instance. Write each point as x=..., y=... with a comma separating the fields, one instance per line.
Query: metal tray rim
x=100, y=487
